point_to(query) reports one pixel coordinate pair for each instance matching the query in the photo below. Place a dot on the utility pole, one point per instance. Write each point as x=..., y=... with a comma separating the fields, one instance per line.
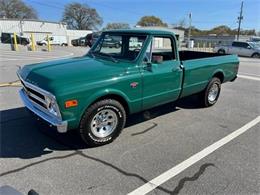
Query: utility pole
x=189, y=34
x=240, y=18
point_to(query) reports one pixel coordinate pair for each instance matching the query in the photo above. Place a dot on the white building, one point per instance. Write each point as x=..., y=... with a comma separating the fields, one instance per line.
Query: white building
x=40, y=29
x=179, y=33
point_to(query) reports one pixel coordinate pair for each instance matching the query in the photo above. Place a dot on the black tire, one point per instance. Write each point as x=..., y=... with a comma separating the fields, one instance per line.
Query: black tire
x=117, y=45
x=89, y=135
x=256, y=55
x=206, y=99
x=221, y=51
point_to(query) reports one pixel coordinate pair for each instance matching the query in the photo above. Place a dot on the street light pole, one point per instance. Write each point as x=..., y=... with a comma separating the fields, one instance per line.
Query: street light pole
x=240, y=18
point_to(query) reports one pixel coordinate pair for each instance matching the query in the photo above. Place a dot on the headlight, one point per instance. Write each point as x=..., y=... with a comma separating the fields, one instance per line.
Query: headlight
x=51, y=106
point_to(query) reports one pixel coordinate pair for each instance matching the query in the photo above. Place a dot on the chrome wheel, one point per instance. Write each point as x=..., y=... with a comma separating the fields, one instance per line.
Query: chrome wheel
x=104, y=123
x=213, y=92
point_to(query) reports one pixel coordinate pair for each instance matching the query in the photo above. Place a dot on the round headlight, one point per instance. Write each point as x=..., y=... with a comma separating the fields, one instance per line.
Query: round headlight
x=51, y=106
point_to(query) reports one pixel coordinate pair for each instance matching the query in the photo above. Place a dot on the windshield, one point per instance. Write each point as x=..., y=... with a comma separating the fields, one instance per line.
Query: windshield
x=118, y=46
x=254, y=44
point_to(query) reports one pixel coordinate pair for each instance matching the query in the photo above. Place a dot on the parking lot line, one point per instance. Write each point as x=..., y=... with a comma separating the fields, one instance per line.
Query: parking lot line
x=250, y=74
x=36, y=58
x=248, y=77
x=154, y=183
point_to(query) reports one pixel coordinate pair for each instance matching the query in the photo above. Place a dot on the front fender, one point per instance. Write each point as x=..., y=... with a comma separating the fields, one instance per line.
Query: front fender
x=87, y=101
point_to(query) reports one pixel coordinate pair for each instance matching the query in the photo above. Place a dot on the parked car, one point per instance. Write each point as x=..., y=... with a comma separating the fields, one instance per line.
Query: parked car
x=96, y=92
x=112, y=41
x=79, y=42
x=92, y=38
x=54, y=40
x=75, y=42
x=9, y=38
x=240, y=48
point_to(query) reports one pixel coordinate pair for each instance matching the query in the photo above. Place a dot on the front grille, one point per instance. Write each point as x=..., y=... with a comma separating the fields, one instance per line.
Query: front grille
x=35, y=96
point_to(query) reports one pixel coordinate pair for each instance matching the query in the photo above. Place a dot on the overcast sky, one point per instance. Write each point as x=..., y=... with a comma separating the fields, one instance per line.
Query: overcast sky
x=205, y=13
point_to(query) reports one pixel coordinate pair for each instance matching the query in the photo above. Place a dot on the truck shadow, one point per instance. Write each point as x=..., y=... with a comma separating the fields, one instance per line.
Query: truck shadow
x=21, y=136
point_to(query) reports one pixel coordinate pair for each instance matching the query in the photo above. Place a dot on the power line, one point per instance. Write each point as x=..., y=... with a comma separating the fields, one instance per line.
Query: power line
x=47, y=5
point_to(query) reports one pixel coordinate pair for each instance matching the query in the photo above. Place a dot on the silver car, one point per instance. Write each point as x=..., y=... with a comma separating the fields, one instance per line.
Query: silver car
x=249, y=49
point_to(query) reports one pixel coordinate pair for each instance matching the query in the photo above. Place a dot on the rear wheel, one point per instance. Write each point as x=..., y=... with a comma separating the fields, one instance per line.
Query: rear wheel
x=102, y=122
x=221, y=51
x=211, y=94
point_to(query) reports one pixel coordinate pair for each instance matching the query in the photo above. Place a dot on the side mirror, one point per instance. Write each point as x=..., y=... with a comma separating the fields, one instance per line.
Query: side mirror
x=148, y=64
x=248, y=47
x=157, y=59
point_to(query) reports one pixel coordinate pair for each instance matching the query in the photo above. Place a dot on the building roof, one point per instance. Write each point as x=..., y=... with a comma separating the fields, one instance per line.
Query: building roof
x=31, y=20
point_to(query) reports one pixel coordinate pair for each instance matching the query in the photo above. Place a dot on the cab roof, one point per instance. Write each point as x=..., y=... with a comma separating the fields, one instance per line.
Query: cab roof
x=142, y=31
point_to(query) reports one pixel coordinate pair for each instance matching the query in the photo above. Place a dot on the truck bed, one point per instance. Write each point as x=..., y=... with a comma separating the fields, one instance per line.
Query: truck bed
x=192, y=55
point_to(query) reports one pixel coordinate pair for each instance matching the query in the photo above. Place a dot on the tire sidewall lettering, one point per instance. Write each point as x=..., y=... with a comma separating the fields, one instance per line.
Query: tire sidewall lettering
x=112, y=108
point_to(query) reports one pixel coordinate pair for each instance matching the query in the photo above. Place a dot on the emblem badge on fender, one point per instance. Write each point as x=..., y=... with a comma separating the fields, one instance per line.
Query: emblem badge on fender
x=134, y=84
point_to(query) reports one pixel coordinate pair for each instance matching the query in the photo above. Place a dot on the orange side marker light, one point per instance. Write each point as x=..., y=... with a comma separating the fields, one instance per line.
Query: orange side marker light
x=71, y=103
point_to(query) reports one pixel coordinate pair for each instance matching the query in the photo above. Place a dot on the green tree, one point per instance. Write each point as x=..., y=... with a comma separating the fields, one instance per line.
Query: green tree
x=119, y=25
x=81, y=17
x=16, y=9
x=222, y=30
x=151, y=21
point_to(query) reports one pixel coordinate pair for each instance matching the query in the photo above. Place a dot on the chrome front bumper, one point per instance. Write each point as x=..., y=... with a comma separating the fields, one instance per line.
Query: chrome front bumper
x=62, y=126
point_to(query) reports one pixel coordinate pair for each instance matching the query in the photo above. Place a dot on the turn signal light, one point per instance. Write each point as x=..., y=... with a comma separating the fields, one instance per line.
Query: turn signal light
x=71, y=103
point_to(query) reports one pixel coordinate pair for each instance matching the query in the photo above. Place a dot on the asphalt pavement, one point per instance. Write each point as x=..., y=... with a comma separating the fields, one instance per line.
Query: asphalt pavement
x=33, y=156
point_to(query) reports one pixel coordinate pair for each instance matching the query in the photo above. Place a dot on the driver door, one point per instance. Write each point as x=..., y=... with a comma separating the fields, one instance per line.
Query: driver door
x=162, y=74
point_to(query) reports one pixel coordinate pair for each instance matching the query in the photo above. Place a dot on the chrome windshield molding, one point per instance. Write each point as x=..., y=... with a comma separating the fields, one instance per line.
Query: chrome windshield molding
x=62, y=126
x=42, y=92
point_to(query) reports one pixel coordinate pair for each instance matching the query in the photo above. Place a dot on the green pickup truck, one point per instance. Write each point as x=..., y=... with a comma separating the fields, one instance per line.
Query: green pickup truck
x=96, y=92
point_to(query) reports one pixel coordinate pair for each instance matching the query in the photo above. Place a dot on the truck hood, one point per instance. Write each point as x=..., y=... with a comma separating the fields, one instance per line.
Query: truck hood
x=59, y=73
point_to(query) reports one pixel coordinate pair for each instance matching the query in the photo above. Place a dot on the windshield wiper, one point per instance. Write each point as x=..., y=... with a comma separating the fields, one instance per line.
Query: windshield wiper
x=108, y=55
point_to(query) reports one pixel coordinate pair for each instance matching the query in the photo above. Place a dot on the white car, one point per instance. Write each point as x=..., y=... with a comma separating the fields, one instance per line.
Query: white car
x=249, y=49
x=54, y=40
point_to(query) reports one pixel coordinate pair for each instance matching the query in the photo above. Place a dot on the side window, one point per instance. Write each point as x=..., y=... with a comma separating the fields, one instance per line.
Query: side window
x=235, y=44
x=163, y=49
x=240, y=44
x=245, y=45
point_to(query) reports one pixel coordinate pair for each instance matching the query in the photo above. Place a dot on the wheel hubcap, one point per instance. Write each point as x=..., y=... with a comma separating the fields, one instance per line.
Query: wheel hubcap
x=104, y=123
x=213, y=93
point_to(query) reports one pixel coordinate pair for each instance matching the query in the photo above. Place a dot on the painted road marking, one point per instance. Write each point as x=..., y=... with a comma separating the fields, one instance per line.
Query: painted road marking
x=248, y=77
x=13, y=83
x=250, y=74
x=154, y=183
x=36, y=58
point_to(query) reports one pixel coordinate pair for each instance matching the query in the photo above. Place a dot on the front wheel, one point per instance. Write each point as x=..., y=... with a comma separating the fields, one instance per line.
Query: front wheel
x=256, y=55
x=102, y=122
x=211, y=94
